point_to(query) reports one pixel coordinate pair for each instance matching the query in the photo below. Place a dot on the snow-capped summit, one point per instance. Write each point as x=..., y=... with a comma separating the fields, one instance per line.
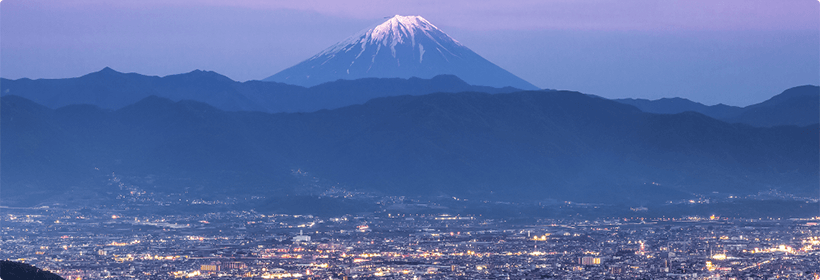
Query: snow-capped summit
x=401, y=47
x=397, y=30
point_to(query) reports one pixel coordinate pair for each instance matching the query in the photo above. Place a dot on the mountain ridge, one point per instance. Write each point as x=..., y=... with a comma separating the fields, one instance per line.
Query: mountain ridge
x=110, y=89
x=517, y=146
x=798, y=106
x=676, y=105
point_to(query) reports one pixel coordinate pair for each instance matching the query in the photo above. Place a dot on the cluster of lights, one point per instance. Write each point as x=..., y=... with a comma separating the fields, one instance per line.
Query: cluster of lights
x=195, y=238
x=809, y=244
x=119, y=244
x=280, y=275
x=385, y=271
x=541, y=238
x=160, y=258
x=710, y=266
x=446, y=218
x=780, y=248
x=372, y=255
x=183, y=274
x=127, y=257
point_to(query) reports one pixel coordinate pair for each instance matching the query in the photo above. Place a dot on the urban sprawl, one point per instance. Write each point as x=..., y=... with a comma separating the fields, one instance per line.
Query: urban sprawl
x=81, y=244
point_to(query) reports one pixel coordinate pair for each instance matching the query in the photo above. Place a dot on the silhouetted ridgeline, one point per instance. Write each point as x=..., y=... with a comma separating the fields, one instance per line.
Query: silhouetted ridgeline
x=110, y=89
x=796, y=106
x=519, y=146
x=10, y=270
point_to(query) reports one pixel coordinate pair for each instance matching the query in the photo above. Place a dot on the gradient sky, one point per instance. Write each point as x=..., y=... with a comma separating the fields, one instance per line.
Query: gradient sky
x=736, y=52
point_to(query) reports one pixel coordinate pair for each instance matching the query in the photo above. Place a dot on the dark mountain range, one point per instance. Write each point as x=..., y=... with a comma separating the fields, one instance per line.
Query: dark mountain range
x=798, y=106
x=523, y=146
x=109, y=89
x=795, y=106
x=10, y=270
x=679, y=105
x=401, y=47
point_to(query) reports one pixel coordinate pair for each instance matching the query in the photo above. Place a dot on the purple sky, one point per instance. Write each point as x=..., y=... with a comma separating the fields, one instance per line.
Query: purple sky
x=736, y=52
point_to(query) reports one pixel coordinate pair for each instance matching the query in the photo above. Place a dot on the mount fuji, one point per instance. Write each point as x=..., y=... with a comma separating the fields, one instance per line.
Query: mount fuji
x=401, y=47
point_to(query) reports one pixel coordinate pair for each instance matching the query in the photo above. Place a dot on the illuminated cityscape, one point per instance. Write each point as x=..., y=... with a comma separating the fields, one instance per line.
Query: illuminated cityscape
x=107, y=244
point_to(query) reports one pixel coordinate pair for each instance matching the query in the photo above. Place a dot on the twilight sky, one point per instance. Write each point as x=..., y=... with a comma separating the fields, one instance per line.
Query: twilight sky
x=735, y=52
